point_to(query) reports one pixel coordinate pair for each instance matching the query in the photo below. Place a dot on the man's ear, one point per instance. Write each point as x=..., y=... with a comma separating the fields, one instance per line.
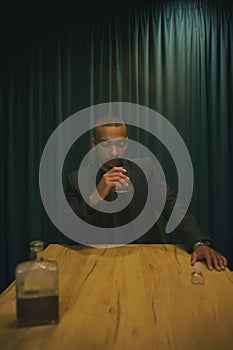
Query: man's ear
x=92, y=142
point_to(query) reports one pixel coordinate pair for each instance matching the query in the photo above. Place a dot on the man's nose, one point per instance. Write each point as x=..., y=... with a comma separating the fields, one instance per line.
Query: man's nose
x=114, y=150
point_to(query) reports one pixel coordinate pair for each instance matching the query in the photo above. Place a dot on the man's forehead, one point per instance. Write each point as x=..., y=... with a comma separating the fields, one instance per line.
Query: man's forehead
x=111, y=132
x=102, y=139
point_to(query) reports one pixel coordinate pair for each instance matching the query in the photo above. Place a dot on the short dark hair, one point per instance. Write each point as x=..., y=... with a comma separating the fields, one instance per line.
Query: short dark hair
x=108, y=120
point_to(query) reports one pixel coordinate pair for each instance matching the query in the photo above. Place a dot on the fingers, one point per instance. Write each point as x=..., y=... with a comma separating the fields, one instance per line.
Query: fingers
x=110, y=180
x=117, y=171
x=122, y=185
x=194, y=257
x=116, y=175
x=209, y=259
x=217, y=261
x=214, y=260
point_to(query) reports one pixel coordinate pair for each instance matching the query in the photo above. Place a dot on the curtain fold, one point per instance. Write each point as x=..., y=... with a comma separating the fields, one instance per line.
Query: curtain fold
x=175, y=57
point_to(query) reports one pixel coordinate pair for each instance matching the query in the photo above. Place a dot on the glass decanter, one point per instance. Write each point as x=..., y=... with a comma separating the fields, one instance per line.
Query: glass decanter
x=37, y=289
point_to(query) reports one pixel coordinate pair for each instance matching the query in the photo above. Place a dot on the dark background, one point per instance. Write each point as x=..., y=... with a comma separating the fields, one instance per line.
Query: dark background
x=58, y=58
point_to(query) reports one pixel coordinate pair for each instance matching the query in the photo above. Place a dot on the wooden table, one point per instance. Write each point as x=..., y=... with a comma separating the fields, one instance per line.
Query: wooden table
x=128, y=297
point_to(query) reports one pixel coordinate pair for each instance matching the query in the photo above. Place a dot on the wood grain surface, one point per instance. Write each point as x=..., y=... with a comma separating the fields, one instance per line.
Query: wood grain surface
x=128, y=297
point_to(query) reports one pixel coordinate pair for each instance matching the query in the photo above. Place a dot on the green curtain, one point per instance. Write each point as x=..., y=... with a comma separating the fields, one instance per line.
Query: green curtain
x=175, y=57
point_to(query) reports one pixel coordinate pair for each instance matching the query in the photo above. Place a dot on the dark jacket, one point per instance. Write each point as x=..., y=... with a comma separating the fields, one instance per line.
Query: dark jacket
x=149, y=187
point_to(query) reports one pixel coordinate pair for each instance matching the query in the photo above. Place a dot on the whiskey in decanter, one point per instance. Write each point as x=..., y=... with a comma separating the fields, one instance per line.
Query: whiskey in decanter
x=37, y=289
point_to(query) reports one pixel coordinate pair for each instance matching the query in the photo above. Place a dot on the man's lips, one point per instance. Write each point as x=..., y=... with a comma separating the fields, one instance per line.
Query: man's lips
x=114, y=162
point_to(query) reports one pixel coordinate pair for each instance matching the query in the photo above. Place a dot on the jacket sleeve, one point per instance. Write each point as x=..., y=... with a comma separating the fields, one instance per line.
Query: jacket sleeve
x=75, y=199
x=189, y=229
x=77, y=204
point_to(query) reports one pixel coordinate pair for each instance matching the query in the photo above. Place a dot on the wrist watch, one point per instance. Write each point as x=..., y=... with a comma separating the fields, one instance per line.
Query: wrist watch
x=200, y=243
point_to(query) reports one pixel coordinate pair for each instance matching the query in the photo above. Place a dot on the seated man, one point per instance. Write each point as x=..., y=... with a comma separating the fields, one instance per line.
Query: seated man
x=113, y=173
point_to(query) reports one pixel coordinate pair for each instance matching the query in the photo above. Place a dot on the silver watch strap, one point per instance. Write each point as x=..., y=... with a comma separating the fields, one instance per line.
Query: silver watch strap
x=201, y=243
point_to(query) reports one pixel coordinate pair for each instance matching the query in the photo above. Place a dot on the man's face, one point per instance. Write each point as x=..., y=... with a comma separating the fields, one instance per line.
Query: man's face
x=112, y=144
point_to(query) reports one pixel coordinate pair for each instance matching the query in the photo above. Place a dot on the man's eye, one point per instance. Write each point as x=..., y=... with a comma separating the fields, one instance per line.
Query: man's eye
x=121, y=143
x=105, y=144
